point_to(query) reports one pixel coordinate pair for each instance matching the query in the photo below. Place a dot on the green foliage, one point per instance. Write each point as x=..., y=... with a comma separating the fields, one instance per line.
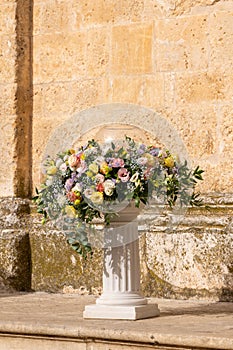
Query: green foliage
x=90, y=183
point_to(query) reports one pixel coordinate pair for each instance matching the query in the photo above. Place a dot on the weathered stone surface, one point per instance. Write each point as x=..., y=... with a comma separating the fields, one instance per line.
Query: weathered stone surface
x=55, y=265
x=15, y=262
x=201, y=117
x=57, y=58
x=179, y=42
x=85, y=94
x=58, y=17
x=148, y=90
x=98, y=42
x=7, y=99
x=7, y=18
x=8, y=166
x=55, y=100
x=225, y=128
x=221, y=40
x=151, y=11
x=211, y=86
x=14, y=213
x=38, y=93
x=192, y=259
x=15, y=98
x=132, y=49
x=181, y=269
x=101, y=12
x=8, y=1
x=180, y=7
x=60, y=100
x=15, y=258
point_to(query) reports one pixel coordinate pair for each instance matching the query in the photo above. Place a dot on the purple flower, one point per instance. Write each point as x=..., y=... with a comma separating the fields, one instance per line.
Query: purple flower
x=82, y=168
x=141, y=149
x=69, y=183
x=116, y=163
x=73, y=176
x=154, y=151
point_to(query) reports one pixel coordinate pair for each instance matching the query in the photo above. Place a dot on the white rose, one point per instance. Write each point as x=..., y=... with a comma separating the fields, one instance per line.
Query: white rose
x=63, y=167
x=109, y=186
x=59, y=163
x=77, y=187
x=88, y=192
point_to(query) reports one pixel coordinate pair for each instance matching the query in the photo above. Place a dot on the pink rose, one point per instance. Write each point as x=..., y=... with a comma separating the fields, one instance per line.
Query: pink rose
x=82, y=167
x=99, y=178
x=73, y=160
x=123, y=174
x=117, y=163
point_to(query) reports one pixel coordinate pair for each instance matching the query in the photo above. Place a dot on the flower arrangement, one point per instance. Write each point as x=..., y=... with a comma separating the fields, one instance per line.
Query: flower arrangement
x=94, y=181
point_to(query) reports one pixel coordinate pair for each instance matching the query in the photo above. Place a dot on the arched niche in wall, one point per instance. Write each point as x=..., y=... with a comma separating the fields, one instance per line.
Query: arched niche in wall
x=141, y=123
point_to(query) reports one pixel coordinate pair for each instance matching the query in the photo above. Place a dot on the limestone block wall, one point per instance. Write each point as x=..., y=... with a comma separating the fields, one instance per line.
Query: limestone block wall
x=16, y=98
x=173, y=57
x=58, y=58
x=8, y=91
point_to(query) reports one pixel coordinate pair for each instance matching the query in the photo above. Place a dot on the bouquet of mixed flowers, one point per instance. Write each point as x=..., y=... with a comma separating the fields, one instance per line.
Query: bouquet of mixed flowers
x=94, y=181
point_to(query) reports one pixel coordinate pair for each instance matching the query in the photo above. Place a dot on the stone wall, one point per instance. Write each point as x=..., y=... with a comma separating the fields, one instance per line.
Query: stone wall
x=174, y=57
x=16, y=98
x=194, y=258
x=58, y=58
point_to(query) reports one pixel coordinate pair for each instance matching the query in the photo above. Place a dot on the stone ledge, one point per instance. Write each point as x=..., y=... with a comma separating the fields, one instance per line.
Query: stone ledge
x=58, y=318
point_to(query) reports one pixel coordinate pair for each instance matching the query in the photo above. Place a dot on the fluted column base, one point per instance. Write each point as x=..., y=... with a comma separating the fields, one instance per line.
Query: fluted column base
x=121, y=298
x=121, y=312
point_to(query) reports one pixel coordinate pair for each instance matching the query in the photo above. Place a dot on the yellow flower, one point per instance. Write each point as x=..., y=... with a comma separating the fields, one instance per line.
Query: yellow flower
x=104, y=168
x=89, y=173
x=169, y=162
x=70, y=211
x=77, y=201
x=71, y=151
x=52, y=170
x=97, y=197
x=82, y=156
x=94, y=168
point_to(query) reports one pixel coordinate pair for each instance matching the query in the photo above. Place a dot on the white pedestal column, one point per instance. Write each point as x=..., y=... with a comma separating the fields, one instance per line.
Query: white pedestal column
x=121, y=298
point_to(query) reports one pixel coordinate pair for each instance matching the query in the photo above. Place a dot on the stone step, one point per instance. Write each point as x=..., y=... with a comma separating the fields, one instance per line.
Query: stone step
x=45, y=321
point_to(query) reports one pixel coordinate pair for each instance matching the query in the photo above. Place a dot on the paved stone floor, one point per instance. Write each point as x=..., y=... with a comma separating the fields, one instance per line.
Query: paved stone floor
x=196, y=324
